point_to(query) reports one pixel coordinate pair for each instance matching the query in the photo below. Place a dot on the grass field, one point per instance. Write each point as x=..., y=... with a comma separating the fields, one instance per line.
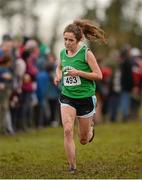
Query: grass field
x=115, y=153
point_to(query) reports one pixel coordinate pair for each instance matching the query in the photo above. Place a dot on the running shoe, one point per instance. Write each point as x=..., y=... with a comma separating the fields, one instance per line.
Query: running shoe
x=72, y=170
x=93, y=131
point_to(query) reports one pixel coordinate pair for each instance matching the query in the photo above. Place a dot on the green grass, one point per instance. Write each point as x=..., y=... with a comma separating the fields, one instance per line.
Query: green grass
x=115, y=153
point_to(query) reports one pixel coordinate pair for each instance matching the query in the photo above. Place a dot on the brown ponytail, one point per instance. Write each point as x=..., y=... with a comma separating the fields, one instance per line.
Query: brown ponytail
x=86, y=28
x=90, y=31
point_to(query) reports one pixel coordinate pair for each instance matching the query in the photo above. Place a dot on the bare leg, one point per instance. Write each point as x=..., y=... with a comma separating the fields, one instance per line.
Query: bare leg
x=68, y=114
x=85, y=129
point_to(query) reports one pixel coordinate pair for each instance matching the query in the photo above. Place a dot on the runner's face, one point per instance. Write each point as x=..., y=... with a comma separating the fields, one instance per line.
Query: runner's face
x=70, y=41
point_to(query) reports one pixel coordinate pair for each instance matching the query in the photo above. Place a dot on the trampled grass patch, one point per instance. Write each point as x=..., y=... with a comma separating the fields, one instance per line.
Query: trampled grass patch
x=115, y=153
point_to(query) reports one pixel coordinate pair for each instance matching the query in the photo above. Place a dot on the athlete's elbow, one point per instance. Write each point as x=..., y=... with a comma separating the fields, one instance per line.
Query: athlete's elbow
x=100, y=77
x=96, y=76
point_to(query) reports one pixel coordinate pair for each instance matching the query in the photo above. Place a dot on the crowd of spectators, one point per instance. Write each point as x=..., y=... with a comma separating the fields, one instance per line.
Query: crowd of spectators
x=29, y=98
x=120, y=92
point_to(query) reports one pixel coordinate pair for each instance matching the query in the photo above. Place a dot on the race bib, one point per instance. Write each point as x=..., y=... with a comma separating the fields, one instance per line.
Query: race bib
x=72, y=80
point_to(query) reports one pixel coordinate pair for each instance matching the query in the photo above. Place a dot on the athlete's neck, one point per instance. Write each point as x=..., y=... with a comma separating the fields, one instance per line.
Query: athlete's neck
x=72, y=52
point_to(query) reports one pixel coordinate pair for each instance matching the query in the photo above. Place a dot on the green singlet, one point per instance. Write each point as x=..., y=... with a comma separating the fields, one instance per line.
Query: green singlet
x=75, y=86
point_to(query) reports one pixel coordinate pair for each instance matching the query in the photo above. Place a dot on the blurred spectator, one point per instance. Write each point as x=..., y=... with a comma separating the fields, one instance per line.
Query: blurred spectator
x=105, y=88
x=43, y=57
x=5, y=84
x=137, y=79
x=32, y=49
x=126, y=81
x=30, y=56
x=20, y=69
x=16, y=106
x=42, y=90
x=53, y=92
x=114, y=94
x=28, y=101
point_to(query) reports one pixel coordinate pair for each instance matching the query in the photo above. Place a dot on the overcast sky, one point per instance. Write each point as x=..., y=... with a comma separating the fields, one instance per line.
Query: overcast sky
x=69, y=13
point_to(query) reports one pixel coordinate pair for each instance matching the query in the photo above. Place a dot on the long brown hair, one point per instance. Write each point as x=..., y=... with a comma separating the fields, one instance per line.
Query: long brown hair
x=86, y=28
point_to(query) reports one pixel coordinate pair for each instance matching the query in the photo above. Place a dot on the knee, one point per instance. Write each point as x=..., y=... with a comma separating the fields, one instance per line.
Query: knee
x=83, y=141
x=68, y=132
x=83, y=138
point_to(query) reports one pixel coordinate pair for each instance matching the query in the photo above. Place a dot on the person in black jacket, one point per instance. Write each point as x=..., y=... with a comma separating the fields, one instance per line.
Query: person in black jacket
x=126, y=81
